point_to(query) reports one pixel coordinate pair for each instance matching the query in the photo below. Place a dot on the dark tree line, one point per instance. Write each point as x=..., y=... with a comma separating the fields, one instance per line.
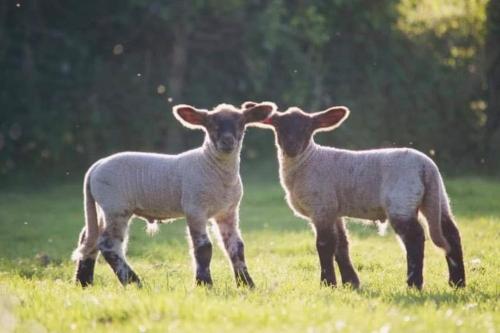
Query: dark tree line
x=82, y=79
x=492, y=69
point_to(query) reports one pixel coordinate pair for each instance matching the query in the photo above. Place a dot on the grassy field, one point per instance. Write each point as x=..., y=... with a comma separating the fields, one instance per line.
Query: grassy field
x=38, y=230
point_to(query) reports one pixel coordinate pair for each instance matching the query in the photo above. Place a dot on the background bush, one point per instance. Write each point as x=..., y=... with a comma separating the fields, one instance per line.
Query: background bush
x=82, y=79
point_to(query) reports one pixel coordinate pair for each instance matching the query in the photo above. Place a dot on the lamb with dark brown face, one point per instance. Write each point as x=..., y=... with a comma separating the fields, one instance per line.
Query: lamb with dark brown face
x=201, y=184
x=325, y=184
x=224, y=126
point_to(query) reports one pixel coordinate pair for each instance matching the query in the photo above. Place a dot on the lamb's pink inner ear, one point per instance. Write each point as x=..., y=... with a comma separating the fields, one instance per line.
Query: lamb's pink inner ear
x=268, y=121
x=258, y=113
x=191, y=115
x=330, y=118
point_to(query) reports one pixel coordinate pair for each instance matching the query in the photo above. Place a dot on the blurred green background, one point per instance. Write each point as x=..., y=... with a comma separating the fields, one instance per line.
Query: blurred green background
x=83, y=79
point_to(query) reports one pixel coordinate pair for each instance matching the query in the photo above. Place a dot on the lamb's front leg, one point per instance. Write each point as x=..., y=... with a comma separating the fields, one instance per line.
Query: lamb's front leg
x=202, y=249
x=326, y=240
x=342, y=257
x=233, y=243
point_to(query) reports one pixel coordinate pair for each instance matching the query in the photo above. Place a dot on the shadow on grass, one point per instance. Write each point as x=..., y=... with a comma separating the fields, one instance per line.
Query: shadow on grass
x=414, y=298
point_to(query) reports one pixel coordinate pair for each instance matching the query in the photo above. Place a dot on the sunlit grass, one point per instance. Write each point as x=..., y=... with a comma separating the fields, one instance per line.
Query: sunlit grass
x=38, y=230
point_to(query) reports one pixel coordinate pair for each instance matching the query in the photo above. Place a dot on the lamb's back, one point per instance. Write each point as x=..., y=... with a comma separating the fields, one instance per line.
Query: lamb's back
x=137, y=181
x=355, y=183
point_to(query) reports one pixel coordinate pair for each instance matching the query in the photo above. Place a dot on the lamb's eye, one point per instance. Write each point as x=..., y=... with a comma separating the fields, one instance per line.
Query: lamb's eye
x=215, y=127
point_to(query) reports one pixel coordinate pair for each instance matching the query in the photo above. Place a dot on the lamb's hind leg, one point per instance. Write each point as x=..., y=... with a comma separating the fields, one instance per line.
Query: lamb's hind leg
x=233, y=243
x=342, y=257
x=412, y=234
x=85, y=266
x=454, y=257
x=112, y=244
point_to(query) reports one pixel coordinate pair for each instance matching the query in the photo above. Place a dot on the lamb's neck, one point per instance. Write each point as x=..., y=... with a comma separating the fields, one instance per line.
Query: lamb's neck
x=227, y=166
x=290, y=165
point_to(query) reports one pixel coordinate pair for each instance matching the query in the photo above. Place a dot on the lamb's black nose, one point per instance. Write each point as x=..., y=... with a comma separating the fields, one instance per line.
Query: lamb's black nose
x=226, y=143
x=227, y=140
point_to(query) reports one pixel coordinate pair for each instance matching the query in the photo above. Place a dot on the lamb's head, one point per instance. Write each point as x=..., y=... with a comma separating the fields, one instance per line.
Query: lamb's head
x=294, y=128
x=225, y=124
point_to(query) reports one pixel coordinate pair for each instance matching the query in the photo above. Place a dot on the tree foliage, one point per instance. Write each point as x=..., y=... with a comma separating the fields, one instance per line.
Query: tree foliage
x=82, y=79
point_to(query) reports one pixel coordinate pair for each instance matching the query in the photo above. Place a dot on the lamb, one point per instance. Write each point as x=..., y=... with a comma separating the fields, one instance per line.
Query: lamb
x=325, y=184
x=201, y=184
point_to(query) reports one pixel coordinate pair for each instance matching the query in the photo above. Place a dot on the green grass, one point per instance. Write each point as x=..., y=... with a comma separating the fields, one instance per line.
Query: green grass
x=38, y=230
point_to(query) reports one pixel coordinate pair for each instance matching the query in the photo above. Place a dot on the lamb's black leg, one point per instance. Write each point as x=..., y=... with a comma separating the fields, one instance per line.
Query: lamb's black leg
x=84, y=273
x=111, y=249
x=235, y=248
x=454, y=257
x=202, y=251
x=325, y=245
x=111, y=245
x=343, y=259
x=412, y=235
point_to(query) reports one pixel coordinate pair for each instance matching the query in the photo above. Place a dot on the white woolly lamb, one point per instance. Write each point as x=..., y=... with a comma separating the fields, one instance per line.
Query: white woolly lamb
x=324, y=184
x=200, y=184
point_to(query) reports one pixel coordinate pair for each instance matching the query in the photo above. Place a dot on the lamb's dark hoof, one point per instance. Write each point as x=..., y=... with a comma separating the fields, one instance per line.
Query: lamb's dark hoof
x=354, y=284
x=85, y=272
x=460, y=283
x=133, y=278
x=415, y=285
x=243, y=279
x=328, y=283
x=204, y=281
x=350, y=279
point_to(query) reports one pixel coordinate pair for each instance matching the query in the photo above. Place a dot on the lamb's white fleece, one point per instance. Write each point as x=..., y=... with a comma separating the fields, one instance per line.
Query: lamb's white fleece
x=323, y=183
x=201, y=183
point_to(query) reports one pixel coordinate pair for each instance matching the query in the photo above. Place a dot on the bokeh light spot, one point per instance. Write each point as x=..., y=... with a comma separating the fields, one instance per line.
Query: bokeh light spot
x=161, y=89
x=118, y=49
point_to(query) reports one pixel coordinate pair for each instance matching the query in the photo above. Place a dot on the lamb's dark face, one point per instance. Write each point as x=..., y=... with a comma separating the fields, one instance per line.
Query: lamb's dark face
x=294, y=128
x=293, y=132
x=225, y=125
x=225, y=129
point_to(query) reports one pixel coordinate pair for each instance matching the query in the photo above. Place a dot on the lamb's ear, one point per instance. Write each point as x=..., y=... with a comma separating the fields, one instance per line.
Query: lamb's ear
x=190, y=116
x=248, y=105
x=259, y=113
x=330, y=118
x=266, y=123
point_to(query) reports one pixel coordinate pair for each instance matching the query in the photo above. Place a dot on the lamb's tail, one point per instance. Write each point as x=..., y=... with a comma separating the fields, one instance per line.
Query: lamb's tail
x=434, y=205
x=89, y=241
